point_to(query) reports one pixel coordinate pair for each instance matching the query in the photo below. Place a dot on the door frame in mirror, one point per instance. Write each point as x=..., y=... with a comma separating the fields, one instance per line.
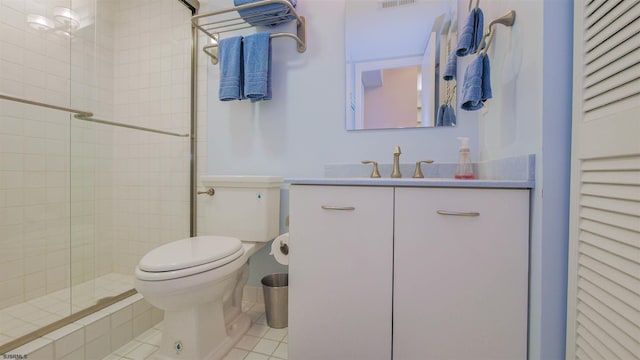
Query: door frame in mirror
x=355, y=89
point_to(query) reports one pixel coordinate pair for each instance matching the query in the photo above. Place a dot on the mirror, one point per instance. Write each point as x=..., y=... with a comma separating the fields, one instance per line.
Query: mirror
x=396, y=51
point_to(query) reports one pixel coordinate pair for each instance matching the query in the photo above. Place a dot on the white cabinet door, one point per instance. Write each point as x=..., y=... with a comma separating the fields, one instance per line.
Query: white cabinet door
x=460, y=282
x=340, y=272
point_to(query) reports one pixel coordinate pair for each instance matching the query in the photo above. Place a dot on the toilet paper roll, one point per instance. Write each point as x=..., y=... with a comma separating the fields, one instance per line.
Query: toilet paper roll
x=280, y=249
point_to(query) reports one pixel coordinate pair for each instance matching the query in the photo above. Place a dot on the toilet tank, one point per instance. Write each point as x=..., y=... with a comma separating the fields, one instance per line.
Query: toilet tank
x=245, y=207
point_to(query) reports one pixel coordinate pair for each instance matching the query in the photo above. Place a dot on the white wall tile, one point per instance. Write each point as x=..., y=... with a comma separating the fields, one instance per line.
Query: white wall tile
x=142, y=322
x=98, y=328
x=67, y=339
x=121, y=316
x=98, y=348
x=140, y=307
x=157, y=315
x=121, y=335
x=40, y=349
x=77, y=354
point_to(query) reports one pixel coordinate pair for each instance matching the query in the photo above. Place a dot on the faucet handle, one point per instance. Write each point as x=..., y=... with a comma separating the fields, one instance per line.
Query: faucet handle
x=418, y=172
x=375, y=173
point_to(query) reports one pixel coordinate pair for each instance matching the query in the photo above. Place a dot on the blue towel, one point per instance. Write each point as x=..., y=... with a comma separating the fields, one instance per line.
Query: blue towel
x=449, y=116
x=476, y=88
x=451, y=68
x=446, y=116
x=486, y=79
x=257, y=65
x=471, y=34
x=440, y=115
x=276, y=13
x=231, y=72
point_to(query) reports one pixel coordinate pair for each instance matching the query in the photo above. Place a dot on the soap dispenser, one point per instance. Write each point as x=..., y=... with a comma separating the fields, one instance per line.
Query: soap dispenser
x=464, y=169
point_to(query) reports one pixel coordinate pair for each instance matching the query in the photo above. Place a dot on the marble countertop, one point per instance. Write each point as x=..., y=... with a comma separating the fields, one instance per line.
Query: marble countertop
x=411, y=182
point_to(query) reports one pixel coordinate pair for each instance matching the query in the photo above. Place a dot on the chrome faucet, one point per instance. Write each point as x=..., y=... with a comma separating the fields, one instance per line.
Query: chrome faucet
x=396, y=163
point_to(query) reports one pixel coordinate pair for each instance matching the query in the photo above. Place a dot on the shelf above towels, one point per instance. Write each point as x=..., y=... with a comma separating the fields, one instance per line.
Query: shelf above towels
x=217, y=22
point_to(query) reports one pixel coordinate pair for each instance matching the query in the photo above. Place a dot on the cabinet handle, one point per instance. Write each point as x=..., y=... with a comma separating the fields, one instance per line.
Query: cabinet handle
x=329, y=207
x=457, y=213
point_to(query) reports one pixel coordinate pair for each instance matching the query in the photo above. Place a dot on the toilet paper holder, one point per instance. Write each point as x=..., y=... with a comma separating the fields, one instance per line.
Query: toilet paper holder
x=284, y=248
x=280, y=249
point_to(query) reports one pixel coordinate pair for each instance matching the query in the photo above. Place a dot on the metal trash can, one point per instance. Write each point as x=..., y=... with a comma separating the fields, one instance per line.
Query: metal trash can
x=276, y=299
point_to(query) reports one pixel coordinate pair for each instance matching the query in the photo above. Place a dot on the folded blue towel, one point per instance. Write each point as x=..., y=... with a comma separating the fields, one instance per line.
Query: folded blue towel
x=231, y=72
x=257, y=63
x=451, y=68
x=267, y=96
x=476, y=88
x=471, y=34
x=269, y=15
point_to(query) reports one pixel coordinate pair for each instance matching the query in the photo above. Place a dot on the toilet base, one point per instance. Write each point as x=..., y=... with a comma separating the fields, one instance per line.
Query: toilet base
x=191, y=344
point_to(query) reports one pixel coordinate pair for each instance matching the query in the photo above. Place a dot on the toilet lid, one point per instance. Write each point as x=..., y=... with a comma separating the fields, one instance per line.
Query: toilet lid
x=189, y=252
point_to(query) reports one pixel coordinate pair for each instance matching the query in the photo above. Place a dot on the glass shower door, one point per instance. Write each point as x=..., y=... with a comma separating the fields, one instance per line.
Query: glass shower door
x=34, y=166
x=81, y=201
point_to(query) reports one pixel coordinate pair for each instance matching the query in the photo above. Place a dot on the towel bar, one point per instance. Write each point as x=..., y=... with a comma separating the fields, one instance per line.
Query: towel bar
x=507, y=20
x=217, y=22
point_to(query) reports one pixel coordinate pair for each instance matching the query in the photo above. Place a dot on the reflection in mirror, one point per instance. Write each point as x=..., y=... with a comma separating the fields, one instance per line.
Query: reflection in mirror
x=395, y=53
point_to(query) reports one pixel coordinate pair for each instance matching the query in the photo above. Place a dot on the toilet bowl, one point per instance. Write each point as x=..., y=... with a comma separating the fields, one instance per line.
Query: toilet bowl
x=198, y=281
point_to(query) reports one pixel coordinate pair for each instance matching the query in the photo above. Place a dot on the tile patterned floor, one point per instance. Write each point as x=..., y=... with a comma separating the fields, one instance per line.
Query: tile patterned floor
x=20, y=319
x=259, y=343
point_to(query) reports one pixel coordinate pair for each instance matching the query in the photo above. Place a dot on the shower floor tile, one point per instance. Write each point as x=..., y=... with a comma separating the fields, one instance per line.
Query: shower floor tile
x=20, y=319
x=260, y=342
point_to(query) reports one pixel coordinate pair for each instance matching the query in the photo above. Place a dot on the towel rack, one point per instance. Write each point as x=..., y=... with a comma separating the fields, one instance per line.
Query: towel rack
x=507, y=20
x=217, y=22
x=471, y=3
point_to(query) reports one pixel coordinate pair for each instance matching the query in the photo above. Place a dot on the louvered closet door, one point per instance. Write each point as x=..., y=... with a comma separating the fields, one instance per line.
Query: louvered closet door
x=603, y=310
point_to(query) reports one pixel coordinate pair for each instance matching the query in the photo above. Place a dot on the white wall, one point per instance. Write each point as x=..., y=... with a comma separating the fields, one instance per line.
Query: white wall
x=555, y=175
x=302, y=128
x=531, y=114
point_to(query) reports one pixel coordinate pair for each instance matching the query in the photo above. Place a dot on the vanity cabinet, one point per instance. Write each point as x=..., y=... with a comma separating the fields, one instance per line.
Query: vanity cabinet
x=407, y=273
x=460, y=274
x=340, y=278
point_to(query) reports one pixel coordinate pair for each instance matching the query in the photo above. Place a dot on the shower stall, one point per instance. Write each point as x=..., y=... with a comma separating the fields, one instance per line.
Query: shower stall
x=97, y=150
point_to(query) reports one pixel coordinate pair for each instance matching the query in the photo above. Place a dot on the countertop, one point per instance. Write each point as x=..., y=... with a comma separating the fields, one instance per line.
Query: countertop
x=411, y=182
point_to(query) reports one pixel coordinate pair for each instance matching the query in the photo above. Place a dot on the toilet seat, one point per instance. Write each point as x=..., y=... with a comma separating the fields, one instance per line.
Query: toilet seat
x=188, y=257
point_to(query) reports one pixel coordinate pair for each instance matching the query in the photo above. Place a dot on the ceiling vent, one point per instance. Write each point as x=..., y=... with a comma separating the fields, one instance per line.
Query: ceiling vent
x=393, y=3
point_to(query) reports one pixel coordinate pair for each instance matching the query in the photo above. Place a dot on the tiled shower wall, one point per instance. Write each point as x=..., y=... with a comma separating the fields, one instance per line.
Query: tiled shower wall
x=152, y=89
x=82, y=200
x=34, y=158
x=91, y=149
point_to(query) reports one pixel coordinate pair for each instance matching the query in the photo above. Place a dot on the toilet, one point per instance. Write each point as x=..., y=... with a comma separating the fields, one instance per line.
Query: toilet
x=198, y=281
